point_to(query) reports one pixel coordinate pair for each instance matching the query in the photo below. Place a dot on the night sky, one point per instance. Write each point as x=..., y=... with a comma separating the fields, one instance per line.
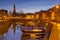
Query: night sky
x=28, y=5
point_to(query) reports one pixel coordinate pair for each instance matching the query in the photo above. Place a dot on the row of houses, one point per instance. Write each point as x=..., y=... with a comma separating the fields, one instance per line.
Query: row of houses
x=52, y=14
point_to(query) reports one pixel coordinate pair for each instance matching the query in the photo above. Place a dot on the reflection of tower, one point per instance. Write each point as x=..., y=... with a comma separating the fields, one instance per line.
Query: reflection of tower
x=14, y=28
x=14, y=10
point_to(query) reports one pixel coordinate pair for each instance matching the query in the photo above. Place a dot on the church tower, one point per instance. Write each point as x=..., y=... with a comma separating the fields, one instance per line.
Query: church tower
x=14, y=10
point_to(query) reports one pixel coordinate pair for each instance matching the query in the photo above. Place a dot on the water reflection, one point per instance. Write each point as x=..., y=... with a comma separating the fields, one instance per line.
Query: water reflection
x=13, y=32
x=32, y=37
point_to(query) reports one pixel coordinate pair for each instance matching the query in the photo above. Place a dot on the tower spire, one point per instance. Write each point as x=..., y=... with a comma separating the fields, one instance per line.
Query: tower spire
x=14, y=10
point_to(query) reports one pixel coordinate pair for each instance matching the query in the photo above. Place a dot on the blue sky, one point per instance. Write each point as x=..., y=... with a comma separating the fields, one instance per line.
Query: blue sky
x=28, y=5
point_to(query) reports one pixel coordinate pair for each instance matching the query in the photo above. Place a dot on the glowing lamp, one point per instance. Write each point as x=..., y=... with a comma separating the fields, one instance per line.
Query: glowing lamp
x=57, y=6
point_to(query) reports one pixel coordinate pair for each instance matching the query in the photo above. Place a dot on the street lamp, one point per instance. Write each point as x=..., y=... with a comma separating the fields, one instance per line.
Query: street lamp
x=57, y=6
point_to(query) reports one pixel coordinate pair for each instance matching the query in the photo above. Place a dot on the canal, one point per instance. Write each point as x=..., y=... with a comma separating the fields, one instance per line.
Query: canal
x=15, y=33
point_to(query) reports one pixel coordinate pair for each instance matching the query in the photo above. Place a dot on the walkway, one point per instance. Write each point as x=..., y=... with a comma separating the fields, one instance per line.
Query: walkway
x=55, y=34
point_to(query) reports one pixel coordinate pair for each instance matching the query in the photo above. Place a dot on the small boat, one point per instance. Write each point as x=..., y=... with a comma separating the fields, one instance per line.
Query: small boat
x=33, y=30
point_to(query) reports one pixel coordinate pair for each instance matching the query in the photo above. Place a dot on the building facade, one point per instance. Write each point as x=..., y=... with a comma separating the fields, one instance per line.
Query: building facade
x=3, y=12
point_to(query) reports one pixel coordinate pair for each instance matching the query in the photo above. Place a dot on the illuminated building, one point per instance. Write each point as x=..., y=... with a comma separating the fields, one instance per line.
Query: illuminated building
x=37, y=15
x=3, y=12
x=29, y=16
x=44, y=15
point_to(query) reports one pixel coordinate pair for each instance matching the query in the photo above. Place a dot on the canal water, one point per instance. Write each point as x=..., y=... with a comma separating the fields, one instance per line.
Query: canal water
x=15, y=33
